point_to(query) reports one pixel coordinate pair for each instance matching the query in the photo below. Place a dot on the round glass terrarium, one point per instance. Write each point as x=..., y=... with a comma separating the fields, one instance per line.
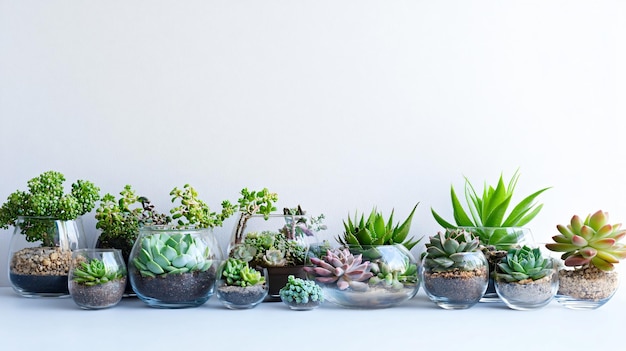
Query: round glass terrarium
x=528, y=294
x=40, y=253
x=497, y=241
x=367, y=277
x=585, y=288
x=97, y=278
x=173, y=267
x=459, y=286
x=279, y=243
x=237, y=297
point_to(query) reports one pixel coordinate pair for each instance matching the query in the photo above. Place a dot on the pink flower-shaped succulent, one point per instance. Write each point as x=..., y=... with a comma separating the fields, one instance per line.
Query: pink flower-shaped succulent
x=341, y=267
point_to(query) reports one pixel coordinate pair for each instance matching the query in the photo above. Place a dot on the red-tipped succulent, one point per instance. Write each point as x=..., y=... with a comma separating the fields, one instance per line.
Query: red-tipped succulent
x=590, y=242
x=341, y=267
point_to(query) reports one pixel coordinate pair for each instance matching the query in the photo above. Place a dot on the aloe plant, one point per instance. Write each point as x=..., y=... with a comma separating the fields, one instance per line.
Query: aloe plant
x=491, y=209
x=374, y=230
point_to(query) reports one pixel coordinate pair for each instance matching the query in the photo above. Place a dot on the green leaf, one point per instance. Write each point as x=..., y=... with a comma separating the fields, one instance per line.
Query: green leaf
x=460, y=216
x=521, y=209
x=442, y=222
x=496, y=215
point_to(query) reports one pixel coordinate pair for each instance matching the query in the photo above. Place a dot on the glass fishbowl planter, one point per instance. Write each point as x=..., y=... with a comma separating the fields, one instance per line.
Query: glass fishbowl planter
x=97, y=278
x=497, y=241
x=370, y=277
x=40, y=268
x=278, y=243
x=241, y=297
x=457, y=287
x=172, y=267
x=528, y=294
x=585, y=288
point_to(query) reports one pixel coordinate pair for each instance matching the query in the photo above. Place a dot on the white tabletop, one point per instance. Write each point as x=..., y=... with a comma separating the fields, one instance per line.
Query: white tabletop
x=31, y=323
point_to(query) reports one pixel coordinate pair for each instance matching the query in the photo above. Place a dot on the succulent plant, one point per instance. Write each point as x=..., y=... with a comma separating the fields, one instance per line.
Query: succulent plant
x=341, y=267
x=523, y=263
x=269, y=249
x=445, y=251
x=46, y=198
x=94, y=272
x=590, y=242
x=490, y=210
x=194, y=212
x=251, y=203
x=374, y=230
x=171, y=254
x=301, y=291
x=237, y=273
x=385, y=275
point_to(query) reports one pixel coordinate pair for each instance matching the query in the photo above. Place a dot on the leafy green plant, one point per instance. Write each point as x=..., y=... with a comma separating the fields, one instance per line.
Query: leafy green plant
x=374, y=230
x=46, y=197
x=119, y=219
x=269, y=249
x=489, y=209
x=446, y=251
x=341, y=267
x=592, y=242
x=522, y=264
x=301, y=291
x=194, y=212
x=238, y=273
x=166, y=253
x=94, y=272
x=251, y=203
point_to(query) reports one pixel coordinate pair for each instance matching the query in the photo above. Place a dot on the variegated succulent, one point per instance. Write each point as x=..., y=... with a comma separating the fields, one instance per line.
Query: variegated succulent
x=590, y=242
x=341, y=267
x=446, y=251
x=524, y=263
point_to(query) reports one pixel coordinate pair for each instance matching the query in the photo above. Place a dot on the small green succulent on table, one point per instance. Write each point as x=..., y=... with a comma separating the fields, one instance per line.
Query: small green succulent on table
x=523, y=264
x=46, y=197
x=446, y=251
x=94, y=272
x=238, y=273
x=300, y=294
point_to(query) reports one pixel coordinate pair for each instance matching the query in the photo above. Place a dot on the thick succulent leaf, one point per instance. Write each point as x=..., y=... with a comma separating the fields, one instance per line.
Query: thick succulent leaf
x=561, y=239
x=435, y=251
x=521, y=209
x=154, y=267
x=401, y=232
x=561, y=247
x=364, y=237
x=606, y=256
x=498, y=200
x=604, y=243
x=442, y=222
x=575, y=224
x=169, y=253
x=602, y=264
x=566, y=230
x=460, y=216
x=579, y=241
x=588, y=252
x=586, y=232
x=598, y=219
x=444, y=262
x=450, y=246
x=519, y=276
x=576, y=260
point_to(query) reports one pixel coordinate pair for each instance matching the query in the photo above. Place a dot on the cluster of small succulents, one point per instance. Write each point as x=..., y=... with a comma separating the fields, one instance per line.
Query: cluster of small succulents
x=445, y=251
x=300, y=291
x=342, y=268
x=522, y=264
x=270, y=249
x=374, y=230
x=46, y=198
x=385, y=275
x=590, y=242
x=238, y=273
x=171, y=254
x=94, y=272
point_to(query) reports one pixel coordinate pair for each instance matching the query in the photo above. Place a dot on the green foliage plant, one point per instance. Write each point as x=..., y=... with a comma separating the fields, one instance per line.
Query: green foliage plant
x=489, y=210
x=251, y=203
x=446, y=251
x=192, y=211
x=46, y=197
x=301, y=291
x=524, y=263
x=94, y=272
x=270, y=249
x=166, y=253
x=238, y=273
x=590, y=242
x=373, y=230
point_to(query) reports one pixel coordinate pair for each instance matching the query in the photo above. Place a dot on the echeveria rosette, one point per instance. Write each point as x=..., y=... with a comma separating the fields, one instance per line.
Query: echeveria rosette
x=522, y=264
x=445, y=251
x=342, y=268
x=590, y=242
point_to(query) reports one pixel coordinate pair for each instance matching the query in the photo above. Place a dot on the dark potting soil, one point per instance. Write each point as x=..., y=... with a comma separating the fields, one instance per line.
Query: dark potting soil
x=175, y=288
x=40, y=284
x=98, y=296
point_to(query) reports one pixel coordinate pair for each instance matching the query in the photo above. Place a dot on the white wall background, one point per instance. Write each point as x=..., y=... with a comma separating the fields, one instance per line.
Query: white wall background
x=336, y=105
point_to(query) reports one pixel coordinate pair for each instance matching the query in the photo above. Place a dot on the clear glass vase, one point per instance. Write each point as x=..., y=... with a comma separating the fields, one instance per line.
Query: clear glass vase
x=279, y=243
x=40, y=253
x=391, y=278
x=97, y=278
x=497, y=241
x=460, y=286
x=586, y=288
x=173, y=267
x=528, y=294
x=237, y=297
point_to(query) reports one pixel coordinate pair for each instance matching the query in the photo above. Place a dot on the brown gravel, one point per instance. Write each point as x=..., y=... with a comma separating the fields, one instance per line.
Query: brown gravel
x=587, y=283
x=41, y=261
x=457, y=285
